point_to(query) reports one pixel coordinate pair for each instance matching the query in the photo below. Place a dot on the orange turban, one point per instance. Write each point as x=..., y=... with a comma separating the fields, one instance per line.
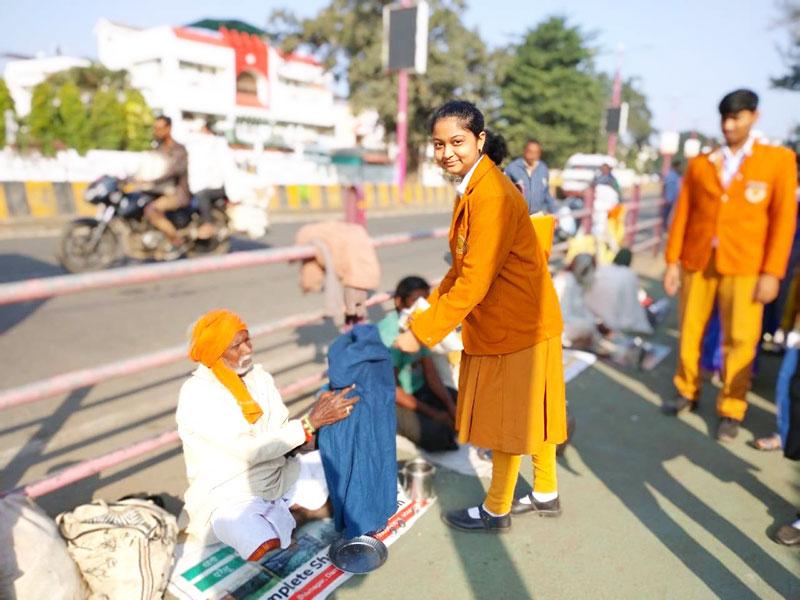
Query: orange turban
x=211, y=336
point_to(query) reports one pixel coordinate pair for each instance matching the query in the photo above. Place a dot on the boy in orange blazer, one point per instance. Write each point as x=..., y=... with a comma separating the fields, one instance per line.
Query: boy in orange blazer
x=729, y=243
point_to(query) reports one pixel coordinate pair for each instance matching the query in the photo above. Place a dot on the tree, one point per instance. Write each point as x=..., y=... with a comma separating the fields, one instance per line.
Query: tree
x=42, y=119
x=6, y=104
x=107, y=121
x=791, y=17
x=347, y=36
x=138, y=121
x=91, y=79
x=113, y=88
x=73, y=118
x=550, y=91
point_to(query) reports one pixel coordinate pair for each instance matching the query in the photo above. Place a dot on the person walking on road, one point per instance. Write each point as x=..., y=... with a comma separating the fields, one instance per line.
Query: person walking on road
x=672, y=186
x=531, y=175
x=511, y=384
x=729, y=243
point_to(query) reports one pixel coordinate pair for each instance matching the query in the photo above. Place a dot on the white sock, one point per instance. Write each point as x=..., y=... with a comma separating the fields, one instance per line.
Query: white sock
x=490, y=513
x=544, y=496
x=474, y=512
x=796, y=524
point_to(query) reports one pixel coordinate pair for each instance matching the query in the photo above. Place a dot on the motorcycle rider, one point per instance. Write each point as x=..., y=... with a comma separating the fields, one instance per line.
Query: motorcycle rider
x=173, y=186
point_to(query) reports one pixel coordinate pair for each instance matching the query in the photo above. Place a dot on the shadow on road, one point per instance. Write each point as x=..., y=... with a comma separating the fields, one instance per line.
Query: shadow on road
x=18, y=267
x=634, y=465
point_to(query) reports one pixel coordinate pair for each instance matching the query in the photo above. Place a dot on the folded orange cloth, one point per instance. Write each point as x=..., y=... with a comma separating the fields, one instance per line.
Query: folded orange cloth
x=212, y=334
x=545, y=227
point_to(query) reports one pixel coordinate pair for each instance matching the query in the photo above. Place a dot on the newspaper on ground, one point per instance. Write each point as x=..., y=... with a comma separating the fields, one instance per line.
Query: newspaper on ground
x=303, y=571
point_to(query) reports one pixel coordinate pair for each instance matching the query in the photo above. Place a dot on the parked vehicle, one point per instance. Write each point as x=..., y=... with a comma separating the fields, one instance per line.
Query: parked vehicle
x=581, y=169
x=120, y=230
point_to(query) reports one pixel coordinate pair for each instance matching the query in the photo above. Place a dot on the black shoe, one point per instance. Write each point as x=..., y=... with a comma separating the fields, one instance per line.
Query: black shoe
x=788, y=535
x=727, y=430
x=551, y=508
x=673, y=406
x=460, y=519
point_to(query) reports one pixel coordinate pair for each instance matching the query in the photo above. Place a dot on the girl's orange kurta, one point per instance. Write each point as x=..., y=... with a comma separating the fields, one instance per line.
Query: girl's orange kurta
x=500, y=290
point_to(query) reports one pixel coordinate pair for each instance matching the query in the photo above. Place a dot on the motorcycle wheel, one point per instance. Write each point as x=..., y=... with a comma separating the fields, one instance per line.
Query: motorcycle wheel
x=76, y=253
x=220, y=242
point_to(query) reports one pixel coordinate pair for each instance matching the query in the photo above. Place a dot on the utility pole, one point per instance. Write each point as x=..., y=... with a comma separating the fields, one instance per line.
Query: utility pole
x=616, y=99
x=402, y=126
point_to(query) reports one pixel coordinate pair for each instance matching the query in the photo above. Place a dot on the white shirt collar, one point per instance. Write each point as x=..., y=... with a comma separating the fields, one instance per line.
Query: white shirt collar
x=462, y=187
x=746, y=150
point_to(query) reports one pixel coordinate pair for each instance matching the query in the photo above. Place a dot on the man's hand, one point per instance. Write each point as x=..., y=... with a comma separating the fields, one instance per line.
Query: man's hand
x=332, y=407
x=407, y=342
x=672, y=279
x=767, y=288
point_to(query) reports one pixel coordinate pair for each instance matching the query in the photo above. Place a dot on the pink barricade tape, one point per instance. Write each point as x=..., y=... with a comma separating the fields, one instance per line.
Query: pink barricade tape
x=46, y=287
x=94, y=466
x=60, y=384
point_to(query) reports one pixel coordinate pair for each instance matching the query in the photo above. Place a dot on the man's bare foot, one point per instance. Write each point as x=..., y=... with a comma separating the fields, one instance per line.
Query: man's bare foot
x=205, y=231
x=304, y=515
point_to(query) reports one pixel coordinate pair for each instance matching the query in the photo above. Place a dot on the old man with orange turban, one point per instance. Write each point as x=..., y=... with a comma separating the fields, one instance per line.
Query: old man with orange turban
x=236, y=433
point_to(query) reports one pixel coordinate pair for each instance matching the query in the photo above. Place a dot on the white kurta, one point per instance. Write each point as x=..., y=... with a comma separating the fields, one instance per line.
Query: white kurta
x=614, y=298
x=228, y=460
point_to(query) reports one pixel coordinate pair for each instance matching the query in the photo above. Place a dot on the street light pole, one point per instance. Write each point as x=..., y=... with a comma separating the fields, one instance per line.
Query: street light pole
x=402, y=130
x=616, y=100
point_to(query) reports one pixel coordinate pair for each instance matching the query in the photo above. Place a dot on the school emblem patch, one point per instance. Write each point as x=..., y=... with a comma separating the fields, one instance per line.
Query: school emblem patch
x=755, y=191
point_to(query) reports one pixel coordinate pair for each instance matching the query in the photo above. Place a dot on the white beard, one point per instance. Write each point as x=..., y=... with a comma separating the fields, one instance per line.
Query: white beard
x=245, y=365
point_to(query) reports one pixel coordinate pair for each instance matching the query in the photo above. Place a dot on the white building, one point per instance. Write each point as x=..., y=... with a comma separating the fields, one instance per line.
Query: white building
x=23, y=75
x=259, y=94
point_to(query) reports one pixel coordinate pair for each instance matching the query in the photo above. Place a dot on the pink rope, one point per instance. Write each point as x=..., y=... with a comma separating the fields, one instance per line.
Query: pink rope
x=93, y=466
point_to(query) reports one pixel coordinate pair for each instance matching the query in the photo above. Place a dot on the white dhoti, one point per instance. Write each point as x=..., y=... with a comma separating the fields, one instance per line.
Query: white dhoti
x=246, y=525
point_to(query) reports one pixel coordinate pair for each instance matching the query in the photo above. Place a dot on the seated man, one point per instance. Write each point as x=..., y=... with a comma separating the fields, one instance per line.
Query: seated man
x=613, y=297
x=426, y=409
x=580, y=325
x=243, y=489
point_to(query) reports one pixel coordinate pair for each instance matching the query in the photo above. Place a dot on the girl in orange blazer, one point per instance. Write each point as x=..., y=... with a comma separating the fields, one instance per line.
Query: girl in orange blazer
x=511, y=387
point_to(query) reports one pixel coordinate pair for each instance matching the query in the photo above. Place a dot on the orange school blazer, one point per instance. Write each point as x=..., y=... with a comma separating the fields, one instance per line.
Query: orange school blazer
x=499, y=287
x=753, y=219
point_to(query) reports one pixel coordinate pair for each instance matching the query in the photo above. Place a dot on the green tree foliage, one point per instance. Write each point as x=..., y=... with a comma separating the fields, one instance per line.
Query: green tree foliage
x=550, y=91
x=43, y=119
x=91, y=79
x=791, y=18
x=138, y=121
x=347, y=36
x=6, y=104
x=73, y=118
x=119, y=117
x=107, y=121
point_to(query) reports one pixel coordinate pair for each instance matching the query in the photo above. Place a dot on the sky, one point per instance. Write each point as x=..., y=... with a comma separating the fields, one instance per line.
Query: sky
x=686, y=54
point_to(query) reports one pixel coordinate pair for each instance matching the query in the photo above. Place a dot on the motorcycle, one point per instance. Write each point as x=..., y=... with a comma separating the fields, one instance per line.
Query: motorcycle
x=120, y=230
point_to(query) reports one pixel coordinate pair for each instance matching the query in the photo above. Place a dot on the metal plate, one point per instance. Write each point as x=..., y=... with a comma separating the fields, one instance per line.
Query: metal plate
x=358, y=555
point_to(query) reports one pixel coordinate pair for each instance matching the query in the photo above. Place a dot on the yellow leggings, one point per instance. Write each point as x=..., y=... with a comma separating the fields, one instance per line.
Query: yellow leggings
x=505, y=468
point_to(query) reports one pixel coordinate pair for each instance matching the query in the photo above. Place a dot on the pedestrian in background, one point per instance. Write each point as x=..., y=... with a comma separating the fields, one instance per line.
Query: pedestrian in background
x=531, y=175
x=672, y=186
